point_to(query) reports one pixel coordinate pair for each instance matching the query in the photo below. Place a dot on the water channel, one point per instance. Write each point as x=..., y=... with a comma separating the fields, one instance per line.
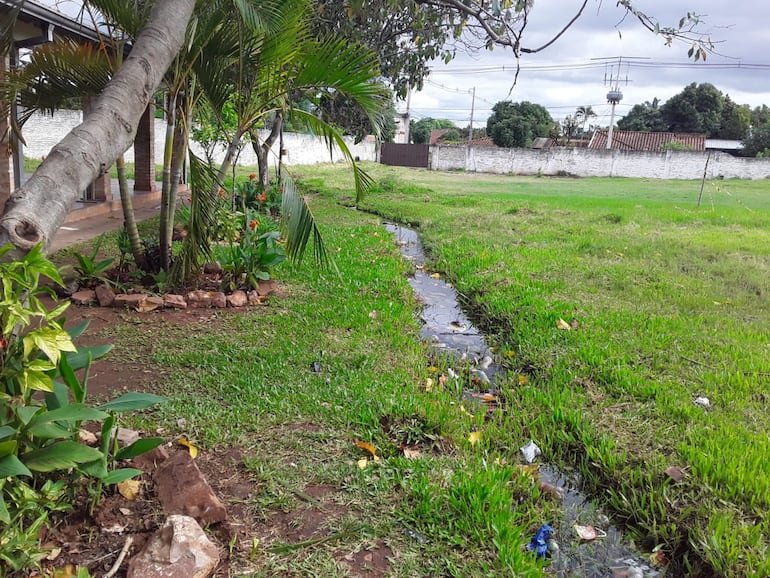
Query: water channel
x=449, y=331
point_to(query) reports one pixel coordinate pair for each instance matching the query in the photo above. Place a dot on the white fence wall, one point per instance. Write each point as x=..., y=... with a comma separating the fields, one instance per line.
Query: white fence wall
x=42, y=132
x=598, y=163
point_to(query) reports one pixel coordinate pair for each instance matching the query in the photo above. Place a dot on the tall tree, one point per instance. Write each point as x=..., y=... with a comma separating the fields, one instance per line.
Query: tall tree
x=697, y=109
x=517, y=124
x=736, y=120
x=95, y=144
x=645, y=117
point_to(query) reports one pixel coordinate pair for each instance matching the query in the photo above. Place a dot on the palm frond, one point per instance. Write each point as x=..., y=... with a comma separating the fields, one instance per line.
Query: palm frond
x=128, y=16
x=298, y=225
x=268, y=17
x=332, y=137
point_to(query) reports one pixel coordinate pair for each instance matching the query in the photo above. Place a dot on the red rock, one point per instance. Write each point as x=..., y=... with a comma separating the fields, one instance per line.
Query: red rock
x=85, y=297
x=199, y=299
x=237, y=299
x=218, y=300
x=105, y=295
x=266, y=288
x=131, y=300
x=182, y=489
x=179, y=549
x=174, y=302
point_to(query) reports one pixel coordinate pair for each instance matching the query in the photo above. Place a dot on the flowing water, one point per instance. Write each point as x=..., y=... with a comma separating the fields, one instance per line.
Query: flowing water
x=447, y=329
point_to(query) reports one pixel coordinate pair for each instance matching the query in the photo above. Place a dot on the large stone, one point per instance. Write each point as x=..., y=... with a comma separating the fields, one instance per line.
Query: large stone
x=255, y=298
x=237, y=299
x=182, y=489
x=130, y=300
x=104, y=295
x=84, y=297
x=180, y=549
x=213, y=268
x=174, y=302
x=267, y=287
x=218, y=300
x=199, y=299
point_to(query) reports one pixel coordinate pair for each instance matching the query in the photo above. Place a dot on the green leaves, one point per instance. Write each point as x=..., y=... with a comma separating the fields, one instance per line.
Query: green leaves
x=132, y=401
x=60, y=456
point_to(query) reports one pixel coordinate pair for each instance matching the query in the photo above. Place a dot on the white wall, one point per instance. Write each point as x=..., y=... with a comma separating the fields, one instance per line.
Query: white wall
x=42, y=132
x=598, y=163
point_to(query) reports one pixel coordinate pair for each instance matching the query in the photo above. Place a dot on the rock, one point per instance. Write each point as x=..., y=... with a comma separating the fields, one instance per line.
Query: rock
x=199, y=299
x=84, y=297
x=266, y=288
x=88, y=438
x=174, y=302
x=237, y=299
x=182, y=489
x=254, y=298
x=127, y=436
x=155, y=301
x=149, y=462
x=212, y=268
x=104, y=295
x=218, y=300
x=675, y=473
x=180, y=549
x=130, y=300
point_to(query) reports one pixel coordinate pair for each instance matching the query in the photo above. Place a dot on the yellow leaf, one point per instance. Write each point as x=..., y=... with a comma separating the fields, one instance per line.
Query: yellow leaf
x=523, y=380
x=436, y=276
x=362, y=463
x=183, y=441
x=369, y=448
x=475, y=437
x=563, y=325
x=531, y=470
x=429, y=385
x=129, y=489
x=433, y=369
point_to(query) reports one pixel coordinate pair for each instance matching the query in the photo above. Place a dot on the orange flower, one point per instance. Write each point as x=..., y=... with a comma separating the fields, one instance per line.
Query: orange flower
x=253, y=224
x=221, y=192
x=252, y=176
x=263, y=197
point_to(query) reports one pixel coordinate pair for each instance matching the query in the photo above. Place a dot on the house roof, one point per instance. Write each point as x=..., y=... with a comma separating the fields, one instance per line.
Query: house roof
x=484, y=141
x=36, y=22
x=436, y=134
x=631, y=140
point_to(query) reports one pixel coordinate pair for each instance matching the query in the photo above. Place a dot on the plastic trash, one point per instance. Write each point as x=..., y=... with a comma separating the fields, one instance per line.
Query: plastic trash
x=315, y=367
x=589, y=532
x=703, y=402
x=530, y=452
x=479, y=374
x=554, y=492
x=539, y=542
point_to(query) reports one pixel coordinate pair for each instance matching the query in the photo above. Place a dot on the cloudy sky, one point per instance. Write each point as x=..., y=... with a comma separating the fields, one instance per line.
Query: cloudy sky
x=571, y=73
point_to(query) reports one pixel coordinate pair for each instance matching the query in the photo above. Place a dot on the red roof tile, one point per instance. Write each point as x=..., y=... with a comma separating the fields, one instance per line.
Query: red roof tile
x=630, y=140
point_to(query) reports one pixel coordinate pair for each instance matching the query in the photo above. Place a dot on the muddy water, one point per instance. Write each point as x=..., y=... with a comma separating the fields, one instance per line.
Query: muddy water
x=448, y=330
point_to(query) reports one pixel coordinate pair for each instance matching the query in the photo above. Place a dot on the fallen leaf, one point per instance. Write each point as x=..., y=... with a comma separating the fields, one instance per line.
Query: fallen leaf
x=530, y=470
x=412, y=453
x=442, y=379
x=675, y=473
x=53, y=553
x=488, y=397
x=373, y=314
x=475, y=437
x=183, y=441
x=125, y=511
x=436, y=276
x=362, y=463
x=369, y=448
x=68, y=571
x=129, y=489
x=146, y=306
x=433, y=369
x=429, y=385
x=563, y=325
x=588, y=532
x=523, y=380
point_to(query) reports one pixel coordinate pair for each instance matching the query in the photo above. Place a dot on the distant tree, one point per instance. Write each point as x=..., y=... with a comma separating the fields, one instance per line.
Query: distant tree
x=760, y=115
x=569, y=126
x=343, y=112
x=419, y=131
x=645, y=117
x=697, y=109
x=583, y=114
x=757, y=143
x=736, y=120
x=517, y=124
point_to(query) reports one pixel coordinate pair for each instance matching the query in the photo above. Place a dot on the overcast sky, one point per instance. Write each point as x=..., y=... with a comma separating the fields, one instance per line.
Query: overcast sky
x=653, y=70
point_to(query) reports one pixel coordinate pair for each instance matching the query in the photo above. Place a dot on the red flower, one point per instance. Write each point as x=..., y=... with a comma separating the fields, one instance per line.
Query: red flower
x=3, y=343
x=252, y=176
x=221, y=193
x=263, y=197
x=253, y=224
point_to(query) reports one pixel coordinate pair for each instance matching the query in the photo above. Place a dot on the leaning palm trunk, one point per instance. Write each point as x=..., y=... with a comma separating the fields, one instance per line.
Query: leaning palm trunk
x=36, y=211
x=263, y=150
x=129, y=219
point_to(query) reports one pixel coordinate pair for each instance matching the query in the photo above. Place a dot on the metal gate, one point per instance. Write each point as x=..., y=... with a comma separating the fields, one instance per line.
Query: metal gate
x=404, y=155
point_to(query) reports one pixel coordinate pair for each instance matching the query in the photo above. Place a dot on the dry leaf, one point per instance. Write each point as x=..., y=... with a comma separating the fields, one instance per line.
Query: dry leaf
x=183, y=441
x=433, y=369
x=442, y=379
x=373, y=314
x=488, y=397
x=129, y=489
x=369, y=448
x=429, y=385
x=523, y=380
x=475, y=437
x=53, y=553
x=563, y=325
x=362, y=463
x=436, y=276
x=146, y=306
x=588, y=532
x=412, y=453
x=68, y=571
x=530, y=470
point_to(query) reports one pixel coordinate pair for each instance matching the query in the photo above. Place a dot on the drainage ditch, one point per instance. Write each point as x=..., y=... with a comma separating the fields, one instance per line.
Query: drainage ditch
x=450, y=333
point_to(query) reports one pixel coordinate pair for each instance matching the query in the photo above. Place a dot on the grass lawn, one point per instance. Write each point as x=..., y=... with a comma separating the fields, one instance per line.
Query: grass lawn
x=669, y=302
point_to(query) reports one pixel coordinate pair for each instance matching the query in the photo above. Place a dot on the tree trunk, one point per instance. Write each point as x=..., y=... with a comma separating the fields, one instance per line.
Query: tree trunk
x=262, y=151
x=167, y=189
x=129, y=220
x=35, y=212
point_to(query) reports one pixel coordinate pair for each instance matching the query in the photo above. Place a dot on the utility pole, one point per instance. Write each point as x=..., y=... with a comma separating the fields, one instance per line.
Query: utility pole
x=614, y=96
x=407, y=121
x=473, y=105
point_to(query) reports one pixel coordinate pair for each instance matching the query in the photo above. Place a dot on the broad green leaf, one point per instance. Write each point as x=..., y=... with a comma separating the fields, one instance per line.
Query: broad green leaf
x=79, y=360
x=57, y=398
x=107, y=434
x=12, y=466
x=7, y=431
x=133, y=401
x=25, y=413
x=138, y=448
x=95, y=469
x=121, y=475
x=5, y=516
x=51, y=341
x=71, y=412
x=69, y=377
x=78, y=330
x=37, y=380
x=8, y=448
x=50, y=431
x=60, y=456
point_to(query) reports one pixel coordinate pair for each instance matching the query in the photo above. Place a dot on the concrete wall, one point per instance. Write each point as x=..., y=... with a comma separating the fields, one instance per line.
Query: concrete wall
x=597, y=163
x=42, y=132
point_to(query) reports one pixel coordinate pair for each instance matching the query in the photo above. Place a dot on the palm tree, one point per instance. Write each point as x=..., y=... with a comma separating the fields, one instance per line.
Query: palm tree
x=582, y=115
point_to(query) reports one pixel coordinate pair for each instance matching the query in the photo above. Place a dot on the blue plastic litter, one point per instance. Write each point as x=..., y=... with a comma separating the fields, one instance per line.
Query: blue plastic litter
x=539, y=542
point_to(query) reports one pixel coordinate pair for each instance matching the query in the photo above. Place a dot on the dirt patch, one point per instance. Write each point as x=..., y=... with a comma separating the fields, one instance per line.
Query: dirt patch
x=372, y=562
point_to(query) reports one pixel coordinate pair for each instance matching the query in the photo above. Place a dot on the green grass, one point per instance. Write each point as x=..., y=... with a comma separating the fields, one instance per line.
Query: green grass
x=670, y=302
